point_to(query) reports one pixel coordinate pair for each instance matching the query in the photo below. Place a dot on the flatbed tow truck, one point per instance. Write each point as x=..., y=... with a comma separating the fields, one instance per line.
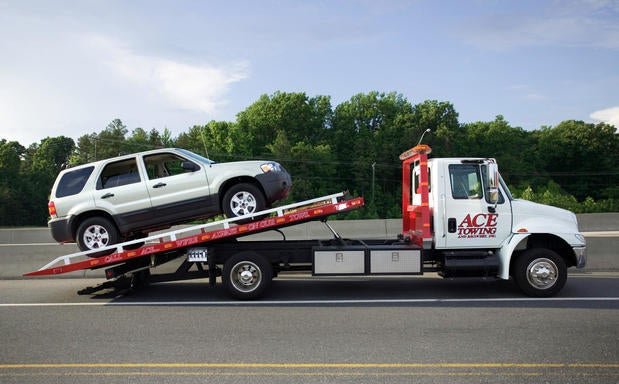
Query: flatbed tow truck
x=458, y=219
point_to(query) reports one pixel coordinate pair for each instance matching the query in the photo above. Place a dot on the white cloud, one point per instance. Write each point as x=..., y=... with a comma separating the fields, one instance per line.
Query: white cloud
x=200, y=88
x=576, y=24
x=608, y=115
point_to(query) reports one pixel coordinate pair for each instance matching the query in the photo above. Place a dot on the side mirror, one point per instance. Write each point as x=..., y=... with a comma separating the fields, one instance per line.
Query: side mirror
x=189, y=166
x=493, y=183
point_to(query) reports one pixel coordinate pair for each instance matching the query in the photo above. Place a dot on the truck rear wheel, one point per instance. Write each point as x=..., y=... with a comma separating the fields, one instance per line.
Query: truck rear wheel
x=247, y=275
x=540, y=272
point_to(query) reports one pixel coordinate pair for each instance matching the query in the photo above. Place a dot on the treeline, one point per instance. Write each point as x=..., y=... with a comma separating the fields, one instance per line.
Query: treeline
x=353, y=146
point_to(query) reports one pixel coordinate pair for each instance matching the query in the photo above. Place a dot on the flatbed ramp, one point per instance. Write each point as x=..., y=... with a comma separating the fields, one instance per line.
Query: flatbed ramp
x=166, y=246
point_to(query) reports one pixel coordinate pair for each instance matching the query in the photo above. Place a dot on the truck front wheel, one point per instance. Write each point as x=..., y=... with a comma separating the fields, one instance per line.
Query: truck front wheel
x=540, y=272
x=247, y=275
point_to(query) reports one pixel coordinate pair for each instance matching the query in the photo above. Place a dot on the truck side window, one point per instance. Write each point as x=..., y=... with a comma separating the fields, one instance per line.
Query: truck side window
x=465, y=181
x=164, y=165
x=118, y=174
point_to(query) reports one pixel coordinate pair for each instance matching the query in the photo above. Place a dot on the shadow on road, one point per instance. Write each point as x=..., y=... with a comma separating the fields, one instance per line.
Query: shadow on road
x=580, y=292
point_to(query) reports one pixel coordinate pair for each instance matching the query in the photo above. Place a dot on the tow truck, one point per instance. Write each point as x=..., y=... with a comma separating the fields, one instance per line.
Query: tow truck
x=458, y=220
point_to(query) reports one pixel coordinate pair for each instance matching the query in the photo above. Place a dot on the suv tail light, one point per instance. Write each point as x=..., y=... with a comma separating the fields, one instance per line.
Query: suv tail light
x=52, y=209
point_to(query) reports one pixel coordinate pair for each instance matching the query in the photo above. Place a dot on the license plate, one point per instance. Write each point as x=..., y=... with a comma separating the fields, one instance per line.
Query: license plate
x=197, y=255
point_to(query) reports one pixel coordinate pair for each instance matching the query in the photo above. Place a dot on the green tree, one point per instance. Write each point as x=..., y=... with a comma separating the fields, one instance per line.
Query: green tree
x=581, y=157
x=369, y=132
x=442, y=119
x=301, y=117
x=41, y=166
x=513, y=147
x=12, y=184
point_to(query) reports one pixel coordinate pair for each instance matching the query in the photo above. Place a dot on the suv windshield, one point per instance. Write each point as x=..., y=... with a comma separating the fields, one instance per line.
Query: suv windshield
x=195, y=156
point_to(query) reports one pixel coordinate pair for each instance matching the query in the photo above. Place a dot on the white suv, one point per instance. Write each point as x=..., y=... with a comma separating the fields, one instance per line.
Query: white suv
x=123, y=198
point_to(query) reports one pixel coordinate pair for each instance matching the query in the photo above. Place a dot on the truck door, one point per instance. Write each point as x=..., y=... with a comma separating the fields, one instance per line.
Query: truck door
x=471, y=220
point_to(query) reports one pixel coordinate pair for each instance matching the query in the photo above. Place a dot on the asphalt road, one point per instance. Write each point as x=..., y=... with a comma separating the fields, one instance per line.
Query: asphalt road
x=328, y=330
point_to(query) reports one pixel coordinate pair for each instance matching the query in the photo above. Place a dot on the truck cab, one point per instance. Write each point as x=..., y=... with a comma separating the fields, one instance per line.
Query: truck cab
x=461, y=212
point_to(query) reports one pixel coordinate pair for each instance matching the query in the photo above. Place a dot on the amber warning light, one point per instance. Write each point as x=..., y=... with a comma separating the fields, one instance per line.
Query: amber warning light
x=417, y=149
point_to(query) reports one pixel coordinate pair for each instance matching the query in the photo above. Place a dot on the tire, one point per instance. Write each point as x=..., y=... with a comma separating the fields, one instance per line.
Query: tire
x=540, y=272
x=97, y=232
x=243, y=199
x=247, y=275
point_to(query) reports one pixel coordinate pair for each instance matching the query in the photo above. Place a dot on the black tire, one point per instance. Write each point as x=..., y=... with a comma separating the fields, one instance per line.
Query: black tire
x=540, y=272
x=247, y=275
x=242, y=199
x=96, y=232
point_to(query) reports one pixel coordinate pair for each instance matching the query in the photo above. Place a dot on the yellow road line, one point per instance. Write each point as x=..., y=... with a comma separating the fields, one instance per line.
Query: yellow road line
x=311, y=365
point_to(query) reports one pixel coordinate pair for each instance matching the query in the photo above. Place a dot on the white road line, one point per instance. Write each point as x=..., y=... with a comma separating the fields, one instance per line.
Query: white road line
x=301, y=302
x=32, y=244
x=601, y=234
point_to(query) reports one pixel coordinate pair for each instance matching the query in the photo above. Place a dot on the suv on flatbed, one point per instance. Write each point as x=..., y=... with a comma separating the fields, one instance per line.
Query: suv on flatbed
x=119, y=199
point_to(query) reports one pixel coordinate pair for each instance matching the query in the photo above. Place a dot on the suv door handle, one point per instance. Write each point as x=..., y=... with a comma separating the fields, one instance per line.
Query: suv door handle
x=107, y=195
x=159, y=185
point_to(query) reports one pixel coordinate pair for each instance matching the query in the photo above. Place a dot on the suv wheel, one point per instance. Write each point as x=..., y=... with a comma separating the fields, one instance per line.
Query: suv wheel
x=96, y=232
x=243, y=199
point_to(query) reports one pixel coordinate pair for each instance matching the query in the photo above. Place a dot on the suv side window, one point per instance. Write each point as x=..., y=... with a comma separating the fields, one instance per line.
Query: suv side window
x=119, y=173
x=465, y=181
x=164, y=165
x=73, y=182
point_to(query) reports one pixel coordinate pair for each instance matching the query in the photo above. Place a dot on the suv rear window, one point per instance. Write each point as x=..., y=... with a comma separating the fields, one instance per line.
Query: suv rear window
x=73, y=182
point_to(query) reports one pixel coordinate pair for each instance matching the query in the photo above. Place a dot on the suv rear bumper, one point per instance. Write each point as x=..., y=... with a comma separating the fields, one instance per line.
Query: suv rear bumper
x=61, y=230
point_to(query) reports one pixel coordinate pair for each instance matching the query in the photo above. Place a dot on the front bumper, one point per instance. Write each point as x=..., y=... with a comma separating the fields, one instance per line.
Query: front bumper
x=276, y=185
x=581, y=256
x=61, y=230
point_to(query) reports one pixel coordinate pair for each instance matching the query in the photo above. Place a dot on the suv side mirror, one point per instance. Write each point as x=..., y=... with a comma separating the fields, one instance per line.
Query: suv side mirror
x=493, y=183
x=189, y=166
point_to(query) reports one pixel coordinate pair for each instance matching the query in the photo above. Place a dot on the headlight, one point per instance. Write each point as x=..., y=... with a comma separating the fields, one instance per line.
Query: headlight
x=271, y=167
x=580, y=238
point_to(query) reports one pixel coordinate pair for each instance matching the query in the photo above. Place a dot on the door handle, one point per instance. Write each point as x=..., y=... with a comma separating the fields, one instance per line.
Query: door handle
x=107, y=195
x=451, y=225
x=159, y=185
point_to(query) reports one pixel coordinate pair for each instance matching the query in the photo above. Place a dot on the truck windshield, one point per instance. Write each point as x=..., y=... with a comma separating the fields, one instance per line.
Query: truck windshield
x=505, y=189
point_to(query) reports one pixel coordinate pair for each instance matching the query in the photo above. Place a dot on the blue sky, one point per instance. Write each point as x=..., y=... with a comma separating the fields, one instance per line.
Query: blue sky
x=70, y=67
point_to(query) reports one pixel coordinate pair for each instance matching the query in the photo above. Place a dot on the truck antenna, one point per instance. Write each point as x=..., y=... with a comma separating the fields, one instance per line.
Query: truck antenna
x=423, y=134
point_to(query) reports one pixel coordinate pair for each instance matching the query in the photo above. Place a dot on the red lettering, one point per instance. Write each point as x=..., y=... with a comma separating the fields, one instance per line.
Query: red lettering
x=477, y=217
x=492, y=220
x=466, y=222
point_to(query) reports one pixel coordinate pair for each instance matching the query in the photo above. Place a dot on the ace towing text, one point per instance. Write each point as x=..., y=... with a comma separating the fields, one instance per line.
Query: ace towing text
x=458, y=219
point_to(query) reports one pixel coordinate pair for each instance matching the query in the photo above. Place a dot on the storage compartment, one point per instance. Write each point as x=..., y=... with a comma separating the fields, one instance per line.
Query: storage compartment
x=339, y=262
x=396, y=261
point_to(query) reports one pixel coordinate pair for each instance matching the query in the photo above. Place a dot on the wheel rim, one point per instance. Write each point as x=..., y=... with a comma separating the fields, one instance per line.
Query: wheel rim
x=96, y=236
x=542, y=273
x=243, y=203
x=245, y=276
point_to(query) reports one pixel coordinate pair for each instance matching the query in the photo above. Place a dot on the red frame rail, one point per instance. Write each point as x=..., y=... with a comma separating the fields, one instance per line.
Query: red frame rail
x=284, y=220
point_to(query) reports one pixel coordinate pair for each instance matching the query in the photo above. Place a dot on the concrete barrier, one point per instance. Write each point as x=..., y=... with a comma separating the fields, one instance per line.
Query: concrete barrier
x=26, y=249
